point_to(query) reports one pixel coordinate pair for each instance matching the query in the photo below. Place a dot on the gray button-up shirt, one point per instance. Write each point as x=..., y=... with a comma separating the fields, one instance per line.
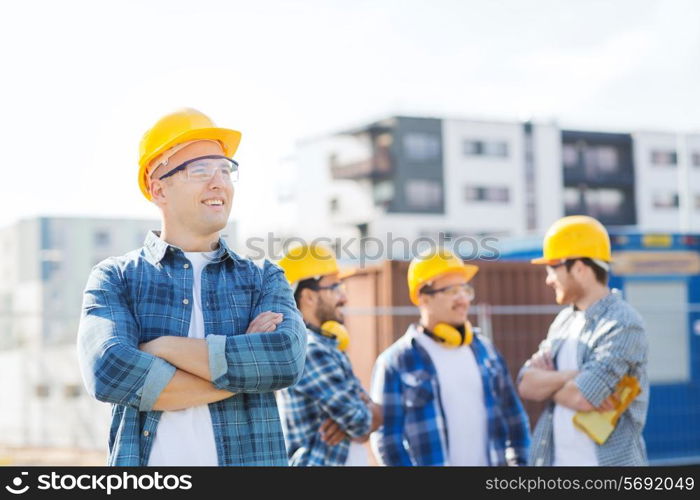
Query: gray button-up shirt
x=613, y=343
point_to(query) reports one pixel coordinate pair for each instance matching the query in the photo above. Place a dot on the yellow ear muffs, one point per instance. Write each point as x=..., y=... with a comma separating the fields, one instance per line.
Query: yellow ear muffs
x=337, y=331
x=451, y=336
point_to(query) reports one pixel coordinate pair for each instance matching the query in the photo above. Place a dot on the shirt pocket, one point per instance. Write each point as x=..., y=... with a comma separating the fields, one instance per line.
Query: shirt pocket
x=238, y=313
x=417, y=389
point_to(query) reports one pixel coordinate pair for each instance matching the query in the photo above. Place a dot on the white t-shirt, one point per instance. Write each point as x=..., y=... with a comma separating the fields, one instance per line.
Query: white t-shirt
x=462, y=397
x=186, y=437
x=572, y=447
x=357, y=455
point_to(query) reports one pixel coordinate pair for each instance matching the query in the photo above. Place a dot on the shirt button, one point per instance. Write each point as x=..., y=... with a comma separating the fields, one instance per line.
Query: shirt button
x=146, y=433
x=185, y=301
x=186, y=266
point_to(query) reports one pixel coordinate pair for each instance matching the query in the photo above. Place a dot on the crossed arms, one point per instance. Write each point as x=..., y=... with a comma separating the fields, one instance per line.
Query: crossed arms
x=171, y=372
x=613, y=354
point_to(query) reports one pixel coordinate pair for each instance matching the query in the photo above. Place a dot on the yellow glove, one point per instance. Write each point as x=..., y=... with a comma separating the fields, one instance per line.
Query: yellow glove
x=599, y=425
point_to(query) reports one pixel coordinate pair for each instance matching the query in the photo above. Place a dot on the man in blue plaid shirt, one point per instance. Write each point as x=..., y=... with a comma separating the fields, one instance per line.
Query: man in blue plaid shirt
x=183, y=337
x=327, y=415
x=445, y=391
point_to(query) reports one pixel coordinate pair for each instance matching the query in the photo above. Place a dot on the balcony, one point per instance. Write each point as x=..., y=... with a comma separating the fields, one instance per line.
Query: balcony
x=594, y=177
x=378, y=166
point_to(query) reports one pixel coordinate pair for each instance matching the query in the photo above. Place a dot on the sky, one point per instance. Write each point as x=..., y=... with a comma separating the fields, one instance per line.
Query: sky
x=83, y=80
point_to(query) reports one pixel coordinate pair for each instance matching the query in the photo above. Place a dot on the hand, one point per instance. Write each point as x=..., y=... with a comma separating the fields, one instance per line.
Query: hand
x=265, y=322
x=365, y=397
x=542, y=360
x=609, y=404
x=331, y=432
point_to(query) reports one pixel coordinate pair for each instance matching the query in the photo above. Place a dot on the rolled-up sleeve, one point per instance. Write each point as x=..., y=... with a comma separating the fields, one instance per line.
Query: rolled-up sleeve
x=614, y=355
x=262, y=362
x=113, y=369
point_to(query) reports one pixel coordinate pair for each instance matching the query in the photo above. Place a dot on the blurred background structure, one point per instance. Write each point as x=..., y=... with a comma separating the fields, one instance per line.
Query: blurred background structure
x=474, y=123
x=47, y=416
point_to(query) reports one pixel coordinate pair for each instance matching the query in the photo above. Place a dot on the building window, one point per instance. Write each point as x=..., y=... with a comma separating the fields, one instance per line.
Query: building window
x=496, y=194
x=383, y=192
x=696, y=159
x=569, y=155
x=664, y=158
x=494, y=149
x=334, y=205
x=102, y=238
x=606, y=159
x=421, y=147
x=665, y=199
x=423, y=194
x=72, y=391
x=48, y=269
x=697, y=202
x=604, y=202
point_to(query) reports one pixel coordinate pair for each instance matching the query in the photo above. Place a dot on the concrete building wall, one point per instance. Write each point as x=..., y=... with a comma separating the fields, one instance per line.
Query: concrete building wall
x=660, y=181
x=484, y=156
x=549, y=195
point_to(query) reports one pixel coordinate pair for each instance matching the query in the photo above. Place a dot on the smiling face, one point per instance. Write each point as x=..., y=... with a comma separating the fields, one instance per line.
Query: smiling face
x=325, y=303
x=199, y=208
x=450, y=308
x=567, y=285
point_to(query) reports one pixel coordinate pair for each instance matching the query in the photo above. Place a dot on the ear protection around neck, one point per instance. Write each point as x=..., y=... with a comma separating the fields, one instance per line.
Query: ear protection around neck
x=337, y=331
x=452, y=336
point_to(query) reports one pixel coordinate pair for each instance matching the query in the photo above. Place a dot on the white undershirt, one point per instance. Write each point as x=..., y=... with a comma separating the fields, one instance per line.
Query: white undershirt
x=186, y=437
x=462, y=397
x=572, y=447
x=357, y=455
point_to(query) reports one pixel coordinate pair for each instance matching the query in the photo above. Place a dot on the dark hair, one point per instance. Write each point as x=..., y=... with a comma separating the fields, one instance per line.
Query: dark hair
x=601, y=275
x=307, y=283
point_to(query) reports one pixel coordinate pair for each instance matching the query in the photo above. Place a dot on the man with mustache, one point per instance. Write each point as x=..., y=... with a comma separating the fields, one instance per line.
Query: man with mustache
x=445, y=391
x=327, y=414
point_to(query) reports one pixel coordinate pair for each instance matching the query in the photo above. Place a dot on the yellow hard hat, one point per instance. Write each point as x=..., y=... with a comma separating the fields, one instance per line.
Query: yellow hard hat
x=575, y=236
x=424, y=269
x=308, y=261
x=178, y=127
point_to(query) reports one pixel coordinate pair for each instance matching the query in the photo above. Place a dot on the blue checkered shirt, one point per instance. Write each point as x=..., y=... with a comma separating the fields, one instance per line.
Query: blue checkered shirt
x=405, y=383
x=613, y=343
x=146, y=294
x=327, y=389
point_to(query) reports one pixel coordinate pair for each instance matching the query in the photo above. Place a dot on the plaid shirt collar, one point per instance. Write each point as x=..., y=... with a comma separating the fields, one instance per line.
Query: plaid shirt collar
x=156, y=248
x=315, y=332
x=597, y=309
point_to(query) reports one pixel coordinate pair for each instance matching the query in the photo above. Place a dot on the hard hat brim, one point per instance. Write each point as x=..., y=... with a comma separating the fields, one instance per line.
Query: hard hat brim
x=229, y=139
x=347, y=273
x=543, y=261
x=546, y=262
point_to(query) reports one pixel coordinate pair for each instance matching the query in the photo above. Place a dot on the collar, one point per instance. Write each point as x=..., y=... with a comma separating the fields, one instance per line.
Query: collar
x=156, y=248
x=597, y=309
x=316, y=333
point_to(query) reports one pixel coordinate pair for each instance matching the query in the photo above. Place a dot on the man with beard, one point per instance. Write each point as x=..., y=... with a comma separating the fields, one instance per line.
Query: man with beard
x=327, y=414
x=591, y=346
x=445, y=391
